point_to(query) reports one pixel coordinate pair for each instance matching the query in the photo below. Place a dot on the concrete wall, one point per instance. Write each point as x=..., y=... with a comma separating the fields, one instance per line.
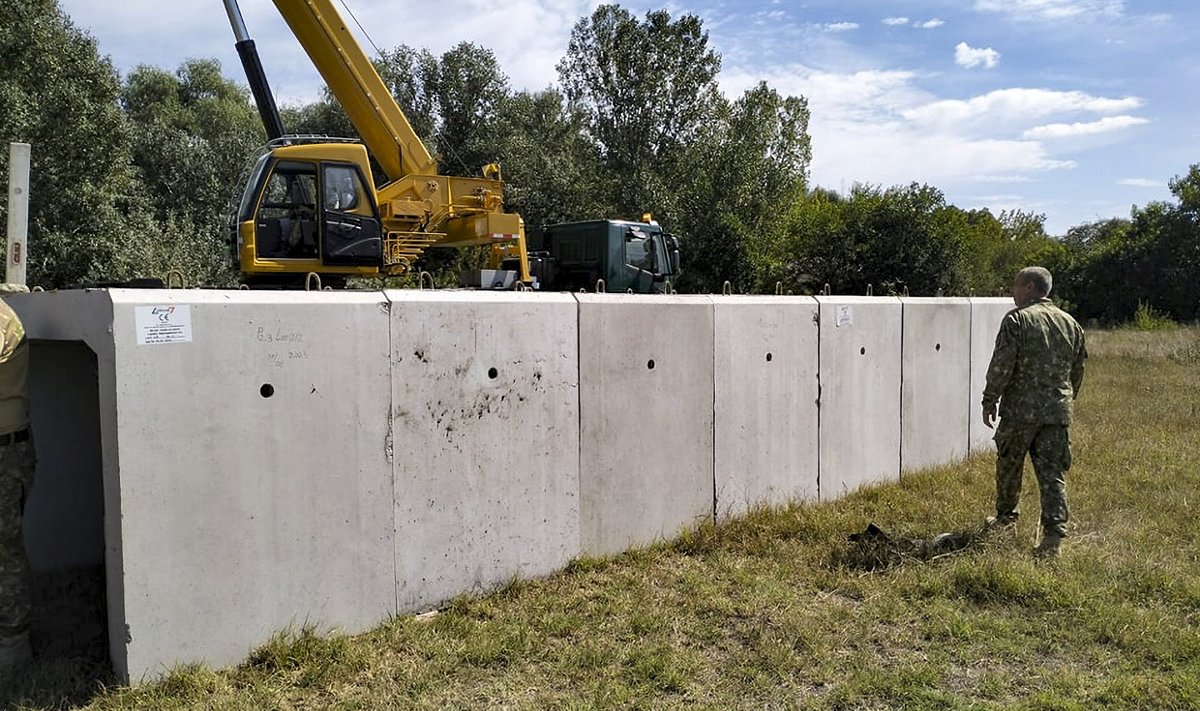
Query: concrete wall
x=860, y=392
x=986, y=315
x=485, y=402
x=337, y=458
x=765, y=411
x=646, y=418
x=936, y=378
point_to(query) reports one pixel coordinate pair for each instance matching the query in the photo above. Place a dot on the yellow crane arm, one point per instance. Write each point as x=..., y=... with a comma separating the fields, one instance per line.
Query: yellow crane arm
x=356, y=85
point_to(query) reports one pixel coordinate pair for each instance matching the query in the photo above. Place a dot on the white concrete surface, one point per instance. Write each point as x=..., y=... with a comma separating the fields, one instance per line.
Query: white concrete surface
x=255, y=487
x=766, y=390
x=860, y=392
x=646, y=418
x=986, y=315
x=486, y=438
x=255, y=482
x=936, y=380
x=269, y=459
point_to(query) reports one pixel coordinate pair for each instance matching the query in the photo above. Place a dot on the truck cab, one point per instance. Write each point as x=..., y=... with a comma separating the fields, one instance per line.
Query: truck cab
x=635, y=256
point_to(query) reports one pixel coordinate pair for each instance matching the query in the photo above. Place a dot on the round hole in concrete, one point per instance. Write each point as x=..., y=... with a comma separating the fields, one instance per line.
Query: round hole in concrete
x=862, y=351
x=650, y=364
x=937, y=347
x=493, y=373
x=769, y=357
x=267, y=390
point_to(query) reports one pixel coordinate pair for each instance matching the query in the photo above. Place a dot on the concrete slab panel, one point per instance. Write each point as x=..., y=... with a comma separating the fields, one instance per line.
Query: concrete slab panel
x=860, y=392
x=59, y=324
x=255, y=486
x=646, y=418
x=766, y=390
x=936, y=378
x=986, y=315
x=486, y=439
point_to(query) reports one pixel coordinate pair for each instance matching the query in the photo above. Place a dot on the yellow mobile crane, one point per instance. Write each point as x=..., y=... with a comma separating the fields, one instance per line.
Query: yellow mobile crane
x=311, y=204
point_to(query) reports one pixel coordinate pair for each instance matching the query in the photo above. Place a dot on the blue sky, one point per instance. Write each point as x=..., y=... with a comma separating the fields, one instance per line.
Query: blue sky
x=1077, y=109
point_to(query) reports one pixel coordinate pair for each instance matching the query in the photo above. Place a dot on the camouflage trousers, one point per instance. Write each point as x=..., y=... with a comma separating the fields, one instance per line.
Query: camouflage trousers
x=1049, y=446
x=17, y=462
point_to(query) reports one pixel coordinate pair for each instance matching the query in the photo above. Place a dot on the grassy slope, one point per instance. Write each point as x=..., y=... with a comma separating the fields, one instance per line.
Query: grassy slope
x=757, y=613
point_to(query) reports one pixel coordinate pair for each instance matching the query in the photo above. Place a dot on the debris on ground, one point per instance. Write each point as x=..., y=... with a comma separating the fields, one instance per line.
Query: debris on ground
x=875, y=549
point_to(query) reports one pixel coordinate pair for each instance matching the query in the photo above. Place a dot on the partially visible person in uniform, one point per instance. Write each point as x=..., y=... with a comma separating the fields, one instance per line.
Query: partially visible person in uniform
x=16, y=478
x=1035, y=375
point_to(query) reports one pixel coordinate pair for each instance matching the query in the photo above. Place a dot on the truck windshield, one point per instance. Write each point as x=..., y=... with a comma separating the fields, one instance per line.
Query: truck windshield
x=642, y=251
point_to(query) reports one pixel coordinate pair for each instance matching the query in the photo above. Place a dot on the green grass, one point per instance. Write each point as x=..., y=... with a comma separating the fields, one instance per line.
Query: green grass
x=764, y=611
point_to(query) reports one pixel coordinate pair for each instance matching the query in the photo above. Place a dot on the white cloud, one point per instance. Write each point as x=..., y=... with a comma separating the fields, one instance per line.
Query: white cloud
x=840, y=26
x=1091, y=128
x=894, y=21
x=1032, y=10
x=1142, y=183
x=865, y=127
x=930, y=24
x=967, y=56
x=1015, y=106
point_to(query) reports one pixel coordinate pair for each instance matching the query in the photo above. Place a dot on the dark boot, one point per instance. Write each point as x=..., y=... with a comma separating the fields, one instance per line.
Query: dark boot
x=1048, y=548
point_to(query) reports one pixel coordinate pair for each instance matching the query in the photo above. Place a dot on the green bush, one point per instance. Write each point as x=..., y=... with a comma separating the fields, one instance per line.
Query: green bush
x=1146, y=318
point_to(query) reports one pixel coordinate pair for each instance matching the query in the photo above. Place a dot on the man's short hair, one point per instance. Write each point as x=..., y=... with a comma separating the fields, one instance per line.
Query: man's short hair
x=1039, y=277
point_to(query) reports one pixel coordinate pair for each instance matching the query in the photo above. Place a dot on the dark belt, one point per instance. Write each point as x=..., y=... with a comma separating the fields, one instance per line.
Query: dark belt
x=14, y=437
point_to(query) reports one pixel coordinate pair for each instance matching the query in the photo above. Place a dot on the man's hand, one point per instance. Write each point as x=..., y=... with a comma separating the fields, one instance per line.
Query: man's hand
x=989, y=416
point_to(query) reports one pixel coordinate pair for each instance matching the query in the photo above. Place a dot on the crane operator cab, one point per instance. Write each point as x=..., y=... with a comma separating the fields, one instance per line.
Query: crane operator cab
x=306, y=211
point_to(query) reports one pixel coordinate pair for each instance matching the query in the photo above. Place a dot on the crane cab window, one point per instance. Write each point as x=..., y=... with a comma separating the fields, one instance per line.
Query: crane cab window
x=344, y=190
x=286, y=223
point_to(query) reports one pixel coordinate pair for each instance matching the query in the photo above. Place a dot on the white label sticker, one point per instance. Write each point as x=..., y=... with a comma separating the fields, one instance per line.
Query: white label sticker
x=163, y=324
x=845, y=315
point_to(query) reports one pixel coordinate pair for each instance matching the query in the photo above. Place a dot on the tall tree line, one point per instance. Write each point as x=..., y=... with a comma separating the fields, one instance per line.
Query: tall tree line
x=136, y=175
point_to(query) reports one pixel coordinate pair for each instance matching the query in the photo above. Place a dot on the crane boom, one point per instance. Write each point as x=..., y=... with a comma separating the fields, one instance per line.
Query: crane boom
x=353, y=81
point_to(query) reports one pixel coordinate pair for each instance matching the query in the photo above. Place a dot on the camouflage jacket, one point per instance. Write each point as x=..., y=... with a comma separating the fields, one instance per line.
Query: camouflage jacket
x=1037, y=365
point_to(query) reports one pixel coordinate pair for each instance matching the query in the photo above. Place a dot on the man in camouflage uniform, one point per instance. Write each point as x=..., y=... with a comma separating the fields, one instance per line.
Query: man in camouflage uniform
x=1035, y=375
x=16, y=478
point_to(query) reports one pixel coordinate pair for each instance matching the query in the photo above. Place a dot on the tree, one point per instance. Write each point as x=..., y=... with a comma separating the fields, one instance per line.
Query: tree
x=87, y=212
x=192, y=132
x=646, y=90
x=746, y=171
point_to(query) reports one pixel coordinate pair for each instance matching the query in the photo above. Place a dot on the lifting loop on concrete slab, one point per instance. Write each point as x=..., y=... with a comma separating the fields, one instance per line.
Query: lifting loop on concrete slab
x=37, y=288
x=243, y=287
x=906, y=290
x=870, y=289
x=827, y=291
x=779, y=288
x=601, y=287
x=312, y=278
x=939, y=292
x=670, y=287
x=175, y=273
x=726, y=288
x=426, y=276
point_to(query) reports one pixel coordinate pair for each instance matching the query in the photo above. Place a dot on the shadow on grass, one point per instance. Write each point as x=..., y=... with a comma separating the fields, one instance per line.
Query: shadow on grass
x=70, y=645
